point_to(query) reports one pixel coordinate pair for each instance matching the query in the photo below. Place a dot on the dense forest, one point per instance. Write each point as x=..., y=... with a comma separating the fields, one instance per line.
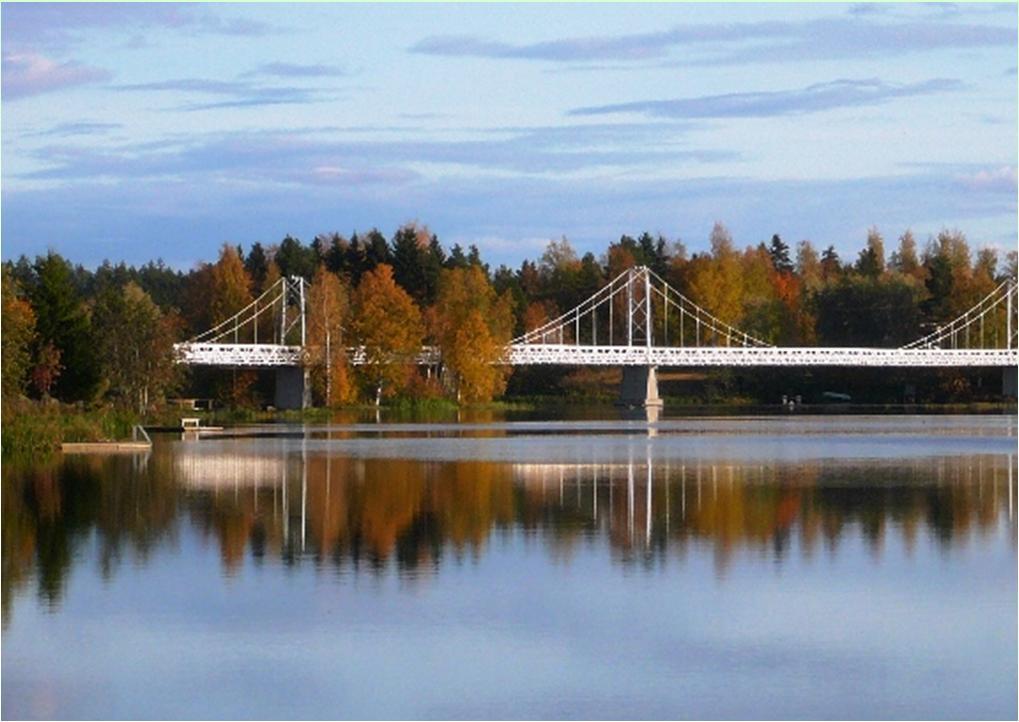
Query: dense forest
x=105, y=335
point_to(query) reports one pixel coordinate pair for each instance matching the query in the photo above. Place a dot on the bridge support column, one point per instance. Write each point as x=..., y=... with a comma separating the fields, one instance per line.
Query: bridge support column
x=1009, y=382
x=292, y=388
x=639, y=387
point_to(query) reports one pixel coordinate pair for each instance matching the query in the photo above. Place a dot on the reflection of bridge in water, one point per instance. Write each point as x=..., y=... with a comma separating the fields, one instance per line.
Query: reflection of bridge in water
x=231, y=464
x=639, y=503
x=631, y=486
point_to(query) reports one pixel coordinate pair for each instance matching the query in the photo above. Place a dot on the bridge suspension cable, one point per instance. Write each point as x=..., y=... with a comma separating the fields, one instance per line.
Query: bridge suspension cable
x=637, y=319
x=980, y=326
x=633, y=309
x=275, y=299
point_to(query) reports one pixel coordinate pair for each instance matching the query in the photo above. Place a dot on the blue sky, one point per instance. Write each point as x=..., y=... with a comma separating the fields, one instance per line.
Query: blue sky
x=133, y=132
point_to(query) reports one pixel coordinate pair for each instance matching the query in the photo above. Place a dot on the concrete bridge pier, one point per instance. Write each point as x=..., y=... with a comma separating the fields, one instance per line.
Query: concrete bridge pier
x=293, y=391
x=639, y=387
x=1009, y=381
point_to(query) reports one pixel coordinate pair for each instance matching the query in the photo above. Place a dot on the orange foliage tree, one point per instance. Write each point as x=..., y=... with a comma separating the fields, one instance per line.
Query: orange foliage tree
x=229, y=292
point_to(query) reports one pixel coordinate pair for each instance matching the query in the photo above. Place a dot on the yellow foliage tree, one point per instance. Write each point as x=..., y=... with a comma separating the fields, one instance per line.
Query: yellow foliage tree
x=714, y=282
x=327, y=311
x=473, y=326
x=387, y=324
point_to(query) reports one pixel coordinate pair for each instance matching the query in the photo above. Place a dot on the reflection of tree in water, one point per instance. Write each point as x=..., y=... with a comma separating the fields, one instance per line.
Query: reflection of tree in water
x=364, y=512
x=368, y=513
x=373, y=513
x=51, y=512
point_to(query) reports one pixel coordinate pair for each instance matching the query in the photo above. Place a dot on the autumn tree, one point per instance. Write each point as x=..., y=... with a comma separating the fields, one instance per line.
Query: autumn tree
x=230, y=285
x=537, y=314
x=808, y=265
x=18, y=322
x=761, y=311
x=714, y=281
x=230, y=292
x=810, y=278
x=387, y=325
x=327, y=311
x=469, y=358
x=474, y=326
x=904, y=260
x=948, y=276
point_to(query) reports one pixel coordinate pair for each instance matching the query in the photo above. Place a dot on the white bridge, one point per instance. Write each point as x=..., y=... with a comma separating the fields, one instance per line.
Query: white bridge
x=239, y=355
x=567, y=355
x=636, y=321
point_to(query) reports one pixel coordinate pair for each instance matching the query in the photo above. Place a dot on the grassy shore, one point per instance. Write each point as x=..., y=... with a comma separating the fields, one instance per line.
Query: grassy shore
x=37, y=429
x=33, y=428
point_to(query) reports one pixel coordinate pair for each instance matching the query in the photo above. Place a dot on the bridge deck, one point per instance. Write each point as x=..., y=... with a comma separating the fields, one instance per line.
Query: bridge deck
x=238, y=354
x=573, y=355
x=270, y=355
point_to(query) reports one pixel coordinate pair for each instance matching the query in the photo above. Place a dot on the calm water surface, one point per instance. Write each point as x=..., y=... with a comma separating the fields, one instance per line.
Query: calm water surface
x=761, y=567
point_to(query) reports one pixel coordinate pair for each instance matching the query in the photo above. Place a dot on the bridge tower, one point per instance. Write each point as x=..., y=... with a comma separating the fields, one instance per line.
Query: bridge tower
x=293, y=384
x=269, y=333
x=639, y=387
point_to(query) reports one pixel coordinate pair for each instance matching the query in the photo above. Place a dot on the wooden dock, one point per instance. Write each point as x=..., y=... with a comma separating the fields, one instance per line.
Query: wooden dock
x=105, y=447
x=139, y=444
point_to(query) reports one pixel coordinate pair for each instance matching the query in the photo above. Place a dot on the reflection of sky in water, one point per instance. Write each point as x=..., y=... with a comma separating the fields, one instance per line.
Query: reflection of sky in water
x=783, y=571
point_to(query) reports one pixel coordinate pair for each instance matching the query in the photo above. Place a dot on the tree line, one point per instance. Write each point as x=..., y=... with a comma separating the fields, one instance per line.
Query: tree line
x=76, y=334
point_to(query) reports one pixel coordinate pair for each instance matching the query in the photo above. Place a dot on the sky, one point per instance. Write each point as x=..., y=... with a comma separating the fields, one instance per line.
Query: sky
x=143, y=131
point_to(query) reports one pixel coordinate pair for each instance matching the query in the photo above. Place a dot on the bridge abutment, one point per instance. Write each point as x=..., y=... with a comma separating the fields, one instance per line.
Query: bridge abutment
x=639, y=387
x=292, y=388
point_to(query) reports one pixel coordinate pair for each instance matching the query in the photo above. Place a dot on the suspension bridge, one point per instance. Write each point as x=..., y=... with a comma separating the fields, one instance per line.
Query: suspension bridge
x=637, y=321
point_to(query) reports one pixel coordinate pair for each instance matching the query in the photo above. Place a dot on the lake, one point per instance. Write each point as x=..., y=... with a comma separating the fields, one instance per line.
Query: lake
x=764, y=567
